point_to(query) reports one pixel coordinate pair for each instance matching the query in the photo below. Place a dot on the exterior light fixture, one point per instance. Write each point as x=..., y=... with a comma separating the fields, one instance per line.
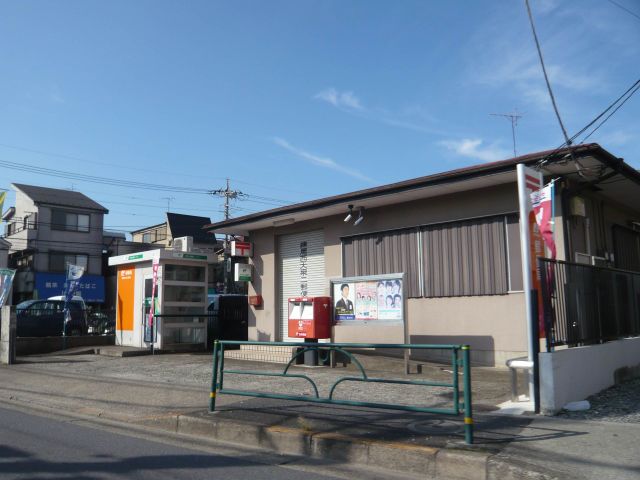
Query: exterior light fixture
x=349, y=215
x=360, y=217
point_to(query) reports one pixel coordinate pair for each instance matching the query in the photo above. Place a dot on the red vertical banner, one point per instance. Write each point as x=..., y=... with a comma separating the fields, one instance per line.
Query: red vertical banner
x=537, y=250
x=152, y=307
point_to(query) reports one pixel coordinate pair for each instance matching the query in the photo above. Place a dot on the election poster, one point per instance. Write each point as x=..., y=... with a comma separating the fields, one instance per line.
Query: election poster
x=360, y=300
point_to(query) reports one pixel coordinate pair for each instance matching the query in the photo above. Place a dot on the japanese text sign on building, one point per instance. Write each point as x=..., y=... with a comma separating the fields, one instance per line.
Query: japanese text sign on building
x=242, y=272
x=241, y=249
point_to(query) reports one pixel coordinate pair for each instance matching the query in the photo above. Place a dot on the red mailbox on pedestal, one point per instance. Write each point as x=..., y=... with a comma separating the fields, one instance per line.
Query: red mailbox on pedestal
x=310, y=317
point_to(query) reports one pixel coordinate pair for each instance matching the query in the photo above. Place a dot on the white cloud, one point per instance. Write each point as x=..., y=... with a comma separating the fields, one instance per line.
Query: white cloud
x=321, y=161
x=346, y=100
x=473, y=148
x=502, y=55
x=410, y=118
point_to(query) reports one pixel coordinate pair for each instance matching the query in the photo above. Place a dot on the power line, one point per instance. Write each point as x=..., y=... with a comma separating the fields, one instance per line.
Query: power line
x=592, y=122
x=97, y=179
x=630, y=12
x=611, y=114
x=546, y=77
x=129, y=167
x=128, y=183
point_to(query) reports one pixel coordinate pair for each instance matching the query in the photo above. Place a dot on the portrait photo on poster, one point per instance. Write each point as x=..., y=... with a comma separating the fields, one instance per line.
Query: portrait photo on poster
x=368, y=300
x=389, y=293
x=344, y=296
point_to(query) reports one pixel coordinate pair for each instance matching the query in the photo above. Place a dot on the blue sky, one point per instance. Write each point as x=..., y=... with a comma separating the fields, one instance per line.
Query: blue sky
x=295, y=100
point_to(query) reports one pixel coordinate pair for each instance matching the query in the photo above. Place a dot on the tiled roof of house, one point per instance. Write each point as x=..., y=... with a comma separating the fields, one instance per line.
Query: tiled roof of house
x=59, y=197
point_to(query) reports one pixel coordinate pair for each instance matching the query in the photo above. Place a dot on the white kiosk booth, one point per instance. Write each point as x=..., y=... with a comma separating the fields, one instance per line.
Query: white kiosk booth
x=180, y=298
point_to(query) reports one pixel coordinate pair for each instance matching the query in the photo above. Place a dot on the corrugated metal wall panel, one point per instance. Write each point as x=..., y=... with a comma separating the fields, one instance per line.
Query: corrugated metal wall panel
x=387, y=252
x=465, y=258
x=291, y=278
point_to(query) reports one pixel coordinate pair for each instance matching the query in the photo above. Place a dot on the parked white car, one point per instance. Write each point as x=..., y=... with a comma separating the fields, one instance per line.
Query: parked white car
x=75, y=298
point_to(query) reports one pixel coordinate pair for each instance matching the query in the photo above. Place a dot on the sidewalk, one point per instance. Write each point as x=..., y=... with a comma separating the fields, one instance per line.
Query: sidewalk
x=171, y=392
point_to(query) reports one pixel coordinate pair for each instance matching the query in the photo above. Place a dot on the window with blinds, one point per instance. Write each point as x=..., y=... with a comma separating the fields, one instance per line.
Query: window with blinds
x=470, y=257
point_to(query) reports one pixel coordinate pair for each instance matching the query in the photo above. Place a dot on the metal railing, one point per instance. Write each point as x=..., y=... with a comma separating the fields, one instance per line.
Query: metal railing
x=585, y=304
x=459, y=361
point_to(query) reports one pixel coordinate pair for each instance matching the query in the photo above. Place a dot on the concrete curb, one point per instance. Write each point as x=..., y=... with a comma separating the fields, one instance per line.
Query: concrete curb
x=438, y=463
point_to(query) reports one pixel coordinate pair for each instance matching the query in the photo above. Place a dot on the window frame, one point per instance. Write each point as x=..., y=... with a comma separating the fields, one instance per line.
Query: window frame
x=54, y=253
x=67, y=226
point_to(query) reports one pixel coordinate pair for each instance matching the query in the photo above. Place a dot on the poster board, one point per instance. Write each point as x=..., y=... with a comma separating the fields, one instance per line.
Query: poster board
x=368, y=300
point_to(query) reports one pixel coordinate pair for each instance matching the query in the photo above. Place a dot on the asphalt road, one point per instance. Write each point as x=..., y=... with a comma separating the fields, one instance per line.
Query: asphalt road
x=35, y=447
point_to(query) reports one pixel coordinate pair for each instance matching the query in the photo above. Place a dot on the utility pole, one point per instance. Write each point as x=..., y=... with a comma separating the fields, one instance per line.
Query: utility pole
x=513, y=118
x=228, y=195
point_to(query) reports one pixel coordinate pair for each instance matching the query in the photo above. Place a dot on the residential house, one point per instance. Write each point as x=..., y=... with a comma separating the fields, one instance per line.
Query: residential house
x=49, y=228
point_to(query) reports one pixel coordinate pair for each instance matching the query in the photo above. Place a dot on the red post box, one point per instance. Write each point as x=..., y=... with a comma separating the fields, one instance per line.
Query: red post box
x=310, y=317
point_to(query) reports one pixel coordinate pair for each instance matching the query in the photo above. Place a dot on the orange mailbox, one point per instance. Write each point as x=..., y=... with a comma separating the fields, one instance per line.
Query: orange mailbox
x=310, y=317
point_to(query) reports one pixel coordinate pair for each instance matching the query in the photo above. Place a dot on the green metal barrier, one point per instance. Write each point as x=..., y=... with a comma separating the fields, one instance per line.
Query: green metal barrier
x=459, y=359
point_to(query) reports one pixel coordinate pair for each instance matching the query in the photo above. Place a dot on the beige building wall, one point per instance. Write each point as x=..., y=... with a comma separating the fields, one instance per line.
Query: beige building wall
x=494, y=326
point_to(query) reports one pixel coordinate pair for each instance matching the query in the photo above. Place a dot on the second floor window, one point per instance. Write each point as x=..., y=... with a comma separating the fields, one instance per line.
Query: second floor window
x=70, y=221
x=58, y=260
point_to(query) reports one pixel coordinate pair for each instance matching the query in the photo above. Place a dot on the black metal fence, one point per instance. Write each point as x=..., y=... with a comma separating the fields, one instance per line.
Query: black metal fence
x=584, y=304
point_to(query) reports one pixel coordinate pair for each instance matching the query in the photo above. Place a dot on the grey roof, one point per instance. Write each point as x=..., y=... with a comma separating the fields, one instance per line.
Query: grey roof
x=59, y=197
x=190, y=226
x=556, y=155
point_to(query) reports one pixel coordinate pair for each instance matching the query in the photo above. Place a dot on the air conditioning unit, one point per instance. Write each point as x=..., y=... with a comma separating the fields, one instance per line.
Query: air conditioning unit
x=183, y=244
x=583, y=258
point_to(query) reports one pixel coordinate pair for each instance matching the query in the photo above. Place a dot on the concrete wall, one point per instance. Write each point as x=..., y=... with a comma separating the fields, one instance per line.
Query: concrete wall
x=4, y=254
x=494, y=325
x=37, y=345
x=573, y=374
x=24, y=206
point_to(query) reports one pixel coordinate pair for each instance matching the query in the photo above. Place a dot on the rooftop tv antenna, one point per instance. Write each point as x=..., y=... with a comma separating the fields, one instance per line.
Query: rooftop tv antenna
x=168, y=199
x=513, y=118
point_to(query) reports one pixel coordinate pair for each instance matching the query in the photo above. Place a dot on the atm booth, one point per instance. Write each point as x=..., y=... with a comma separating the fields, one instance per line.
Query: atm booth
x=180, y=299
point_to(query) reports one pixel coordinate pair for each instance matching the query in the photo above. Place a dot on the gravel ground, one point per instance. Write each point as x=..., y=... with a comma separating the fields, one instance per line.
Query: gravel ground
x=490, y=386
x=620, y=403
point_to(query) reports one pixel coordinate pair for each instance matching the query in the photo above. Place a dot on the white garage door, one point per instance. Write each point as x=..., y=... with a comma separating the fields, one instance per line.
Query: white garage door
x=301, y=267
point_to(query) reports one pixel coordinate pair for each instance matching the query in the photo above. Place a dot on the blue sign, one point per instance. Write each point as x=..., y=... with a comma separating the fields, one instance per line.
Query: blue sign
x=90, y=287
